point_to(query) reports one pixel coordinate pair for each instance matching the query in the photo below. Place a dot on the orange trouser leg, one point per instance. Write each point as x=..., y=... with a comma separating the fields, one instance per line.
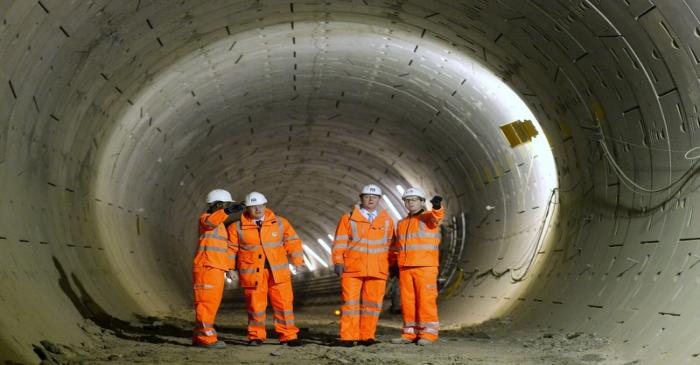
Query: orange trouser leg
x=371, y=306
x=425, y=282
x=350, y=310
x=208, y=290
x=282, y=299
x=408, y=304
x=256, y=300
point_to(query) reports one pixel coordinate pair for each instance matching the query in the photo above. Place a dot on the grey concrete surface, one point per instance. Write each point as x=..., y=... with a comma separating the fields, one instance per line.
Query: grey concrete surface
x=116, y=118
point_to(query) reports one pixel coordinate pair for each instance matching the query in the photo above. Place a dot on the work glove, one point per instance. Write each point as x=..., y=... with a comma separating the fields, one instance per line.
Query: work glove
x=338, y=268
x=234, y=208
x=300, y=269
x=393, y=271
x=435, y=201
x=231, y=274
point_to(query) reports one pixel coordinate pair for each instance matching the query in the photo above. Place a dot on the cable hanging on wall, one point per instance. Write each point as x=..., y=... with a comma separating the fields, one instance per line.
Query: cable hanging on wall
x=629, y=183
x=528, y=258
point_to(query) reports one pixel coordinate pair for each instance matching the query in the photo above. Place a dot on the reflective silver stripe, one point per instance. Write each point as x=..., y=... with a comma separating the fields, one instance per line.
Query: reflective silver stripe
x=285, y=312
x=386, y=230
x=409, y=324
x=211, y=248
x=422, y=247
x=286, y=322
x=291, y=238
x=354, y=312
x=207, y=332
x=280, y=266
x=369, y=250
x=340, y=245
x=419, y=235
x=210, y=224
x=256, y=323
x=429, y=324
x=372, y=305
x=369, y=313
x=249, y=247
x=204, y=324
x=213, y=235
x=247, y=271
x=375, y=242
x=272, y=244
x=203, y=286
x=239, y=231
x=341, y=237
x=409, y=330
x=430, y=330
x=257, y=314
x=352, y=302
x=431, y=286
x=353, y=227
x=297, y=254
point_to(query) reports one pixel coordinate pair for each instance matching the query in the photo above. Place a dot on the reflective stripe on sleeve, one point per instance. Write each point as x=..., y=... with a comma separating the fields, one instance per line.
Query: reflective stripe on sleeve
x=203, y=286
x=212, y=248
x=280, y=266
x=213, y=235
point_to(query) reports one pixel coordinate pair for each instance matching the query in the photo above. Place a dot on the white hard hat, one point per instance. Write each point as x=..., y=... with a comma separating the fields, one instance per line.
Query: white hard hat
x=255, y=198
x=219, y=195
x=413, y=192
x=371, y=189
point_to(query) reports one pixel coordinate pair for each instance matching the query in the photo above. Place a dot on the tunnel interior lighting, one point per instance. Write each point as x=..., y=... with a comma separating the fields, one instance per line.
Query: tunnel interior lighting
x=315, y=256
x=400, y=189
x=324, y=245
x=392, y=208
x=330, y=237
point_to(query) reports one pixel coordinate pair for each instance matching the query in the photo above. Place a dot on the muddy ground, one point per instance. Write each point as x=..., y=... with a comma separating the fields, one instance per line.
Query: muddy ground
x=167, y=341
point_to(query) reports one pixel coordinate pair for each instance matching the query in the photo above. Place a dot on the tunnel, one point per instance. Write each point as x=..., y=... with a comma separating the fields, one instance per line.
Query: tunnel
x=116, y=119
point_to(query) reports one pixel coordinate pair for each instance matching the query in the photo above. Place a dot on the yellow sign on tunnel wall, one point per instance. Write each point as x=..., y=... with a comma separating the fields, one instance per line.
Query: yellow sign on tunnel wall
x=519, y=132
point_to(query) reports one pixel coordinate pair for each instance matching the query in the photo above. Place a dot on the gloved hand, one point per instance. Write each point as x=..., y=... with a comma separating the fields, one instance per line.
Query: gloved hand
x=234, y=208
x=300, y=269
x=338, y=268
x=393, y=271
x=231, y=275
x=435, y=201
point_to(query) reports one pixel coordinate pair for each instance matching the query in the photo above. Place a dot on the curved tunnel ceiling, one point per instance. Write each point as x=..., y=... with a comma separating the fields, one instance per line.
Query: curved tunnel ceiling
x=116, y=119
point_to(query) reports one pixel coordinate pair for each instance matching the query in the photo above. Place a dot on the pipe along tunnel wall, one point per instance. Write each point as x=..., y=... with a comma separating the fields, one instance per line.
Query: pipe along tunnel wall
x=117, y=117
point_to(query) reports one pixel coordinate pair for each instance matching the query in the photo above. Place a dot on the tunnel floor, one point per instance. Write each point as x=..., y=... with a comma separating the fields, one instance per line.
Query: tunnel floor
x=167, y=341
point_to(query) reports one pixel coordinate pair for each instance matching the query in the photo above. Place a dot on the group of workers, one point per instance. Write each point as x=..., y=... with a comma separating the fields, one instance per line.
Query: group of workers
x=251, y=240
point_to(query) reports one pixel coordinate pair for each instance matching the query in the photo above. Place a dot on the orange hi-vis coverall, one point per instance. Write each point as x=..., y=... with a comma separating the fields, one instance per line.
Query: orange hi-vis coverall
x=363, y=249
x=213, y=258
x=416, y=249
x=264, y=254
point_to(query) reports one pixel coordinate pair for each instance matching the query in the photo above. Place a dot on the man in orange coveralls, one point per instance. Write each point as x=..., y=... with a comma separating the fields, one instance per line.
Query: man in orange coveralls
x=214, y=257
x=360, y=257
x=265, y=245
x=416, y=250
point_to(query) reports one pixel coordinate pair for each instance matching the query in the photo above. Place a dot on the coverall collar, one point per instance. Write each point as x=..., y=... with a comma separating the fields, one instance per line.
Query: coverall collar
x=356, y=215
x=268, y=219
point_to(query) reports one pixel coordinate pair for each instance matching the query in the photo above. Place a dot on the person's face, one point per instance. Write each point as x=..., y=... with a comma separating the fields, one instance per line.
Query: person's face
x=413, y=204
x=369, y=202
x=256, y=211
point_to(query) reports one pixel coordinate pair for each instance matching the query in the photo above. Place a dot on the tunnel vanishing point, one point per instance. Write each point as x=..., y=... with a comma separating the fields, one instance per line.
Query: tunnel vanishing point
x=116, y=118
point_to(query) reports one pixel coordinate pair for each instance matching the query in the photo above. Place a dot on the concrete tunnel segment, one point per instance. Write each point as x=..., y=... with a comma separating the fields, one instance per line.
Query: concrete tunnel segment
x=116, y=118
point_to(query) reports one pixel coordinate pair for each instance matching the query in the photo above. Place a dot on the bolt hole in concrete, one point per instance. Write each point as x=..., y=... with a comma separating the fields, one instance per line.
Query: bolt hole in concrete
x=306, y=112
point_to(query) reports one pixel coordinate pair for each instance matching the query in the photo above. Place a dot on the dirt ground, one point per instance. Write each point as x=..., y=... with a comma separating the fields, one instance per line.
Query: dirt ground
x=167, y=341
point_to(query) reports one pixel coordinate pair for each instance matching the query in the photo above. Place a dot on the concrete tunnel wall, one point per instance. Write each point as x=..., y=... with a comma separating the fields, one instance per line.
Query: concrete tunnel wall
x=117, y=117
